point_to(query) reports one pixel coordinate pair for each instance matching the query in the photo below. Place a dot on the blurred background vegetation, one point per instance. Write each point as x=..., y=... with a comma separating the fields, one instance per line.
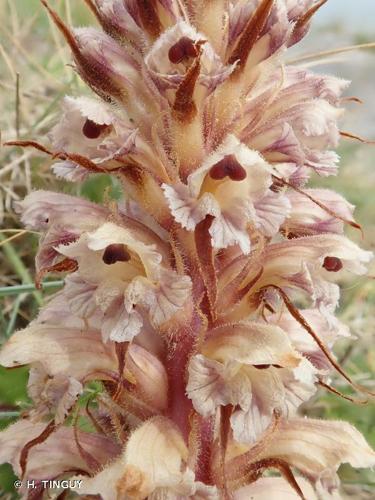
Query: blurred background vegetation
x=35, y=75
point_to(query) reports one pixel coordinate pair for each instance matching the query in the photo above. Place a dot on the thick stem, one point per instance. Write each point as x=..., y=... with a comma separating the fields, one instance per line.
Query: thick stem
x=203, y=470
x=180, y=406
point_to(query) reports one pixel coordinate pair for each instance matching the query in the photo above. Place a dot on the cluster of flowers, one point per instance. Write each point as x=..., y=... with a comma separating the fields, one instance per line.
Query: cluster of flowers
x=198, y=314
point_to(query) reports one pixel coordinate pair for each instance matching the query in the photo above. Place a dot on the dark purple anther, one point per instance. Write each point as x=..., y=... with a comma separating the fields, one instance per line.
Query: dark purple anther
x=332, y=264
x=92, y=130
x=182, y=50
x=115, y=253
x=228, y=166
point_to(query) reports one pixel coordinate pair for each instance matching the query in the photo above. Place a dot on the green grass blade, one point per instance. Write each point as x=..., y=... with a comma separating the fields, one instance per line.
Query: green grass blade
x=19, y=267
x=7, y=291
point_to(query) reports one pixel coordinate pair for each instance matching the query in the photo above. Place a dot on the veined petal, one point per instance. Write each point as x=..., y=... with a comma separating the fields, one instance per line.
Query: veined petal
x=52, y=395
x=308, y=218
x=58, y=312
x=68, y=134
x=301, y=264
x=110, y=233
x=186, y=209
x=150, y=375
x=212, y=384
x=80, y=296
x=119, y=323
x=55, y=456
x=330, y=444
x=225, y=187
x=258, y=177
x=251, y=343
x=266, y=394
x=241, y=366
x=40, y=208
x=329, y=327
x=70, y=351
x=164, y=299
x=277, y=143
x=93, y=130
x=324, y=163
x=229, y=229
x=272, y=389
x=301, y=80
x=313, y=250
x=271, y=211
x=70, y=171
x=274, y=488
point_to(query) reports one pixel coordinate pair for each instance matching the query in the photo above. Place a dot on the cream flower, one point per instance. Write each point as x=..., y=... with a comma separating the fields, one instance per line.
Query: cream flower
x=329, y=327
x=154, y=463
x=274, y=488
x=255, y=369
x=76, y=352
x=52, y=395
x=92, y=130
x=305, y=267
x=330, y=445
x=58, y=454
x=308, y=218
x=121, y=273
x=316, y=448
x=232, y=186
x=61, y=218
x=177, y=48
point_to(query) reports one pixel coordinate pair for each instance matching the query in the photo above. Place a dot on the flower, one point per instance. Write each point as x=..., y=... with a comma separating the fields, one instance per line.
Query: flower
x=154, y=463
x=122, y=272
x=330, y=444
x=254, y=368
x=198, y=311
x=232, y=186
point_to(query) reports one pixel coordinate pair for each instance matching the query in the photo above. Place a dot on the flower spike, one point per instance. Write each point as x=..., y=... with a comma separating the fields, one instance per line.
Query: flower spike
x=198, y=308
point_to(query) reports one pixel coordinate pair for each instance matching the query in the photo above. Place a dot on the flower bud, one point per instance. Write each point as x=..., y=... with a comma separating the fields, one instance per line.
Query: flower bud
x=150, y=375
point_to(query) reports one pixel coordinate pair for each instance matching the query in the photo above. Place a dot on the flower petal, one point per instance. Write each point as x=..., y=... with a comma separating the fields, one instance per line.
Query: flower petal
x=154, y=460
x=58, y=454
x=211, y=384
x=270, y=212
x=251, y=343
x=150, y=375
x=329, y=444
x=164, y=299
x=40, y=208
x=307, y=218
x=70, y=351
x=187, y=210
x=119, y=324
x=229, y=229
x=275, y=488
x=52, y=395
x=266, y=393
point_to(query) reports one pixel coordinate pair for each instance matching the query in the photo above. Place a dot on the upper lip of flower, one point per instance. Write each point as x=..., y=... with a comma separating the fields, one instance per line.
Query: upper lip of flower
x=170, y=73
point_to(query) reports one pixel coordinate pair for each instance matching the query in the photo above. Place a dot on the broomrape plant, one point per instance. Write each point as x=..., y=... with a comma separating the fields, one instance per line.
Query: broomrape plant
x=197, y=314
